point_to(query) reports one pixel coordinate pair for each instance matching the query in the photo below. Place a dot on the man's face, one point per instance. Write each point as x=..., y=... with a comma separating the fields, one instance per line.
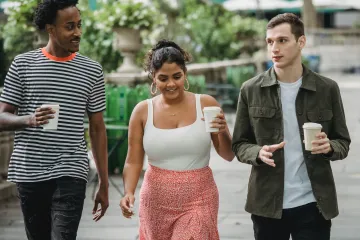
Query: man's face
x=282, y=45
x=66, y=31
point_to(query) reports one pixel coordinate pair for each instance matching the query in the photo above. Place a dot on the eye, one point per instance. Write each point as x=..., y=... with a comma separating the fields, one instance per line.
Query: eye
x=70, y=27
x=177, y=77
x=79, y=25
x=283, y=40
x=269, y=42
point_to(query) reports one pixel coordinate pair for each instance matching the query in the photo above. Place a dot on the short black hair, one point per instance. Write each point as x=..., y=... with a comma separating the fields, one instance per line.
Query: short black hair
x=297, y=26
x=45, y=12
x=165, y=51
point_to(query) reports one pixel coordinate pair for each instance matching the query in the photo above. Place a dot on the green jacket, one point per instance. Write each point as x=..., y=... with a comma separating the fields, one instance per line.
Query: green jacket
x=259, y=122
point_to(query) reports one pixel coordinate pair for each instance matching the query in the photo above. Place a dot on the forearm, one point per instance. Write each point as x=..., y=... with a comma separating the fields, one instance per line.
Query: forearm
x=131, y=175
x=247, y=152
x=340, y=149
x=99, y=148
x=12, y=122
x=222, y=144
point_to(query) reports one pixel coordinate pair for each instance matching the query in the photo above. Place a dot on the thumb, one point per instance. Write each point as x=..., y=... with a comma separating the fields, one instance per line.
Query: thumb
x=277, y=146
x=131, y=201
x=95, y=207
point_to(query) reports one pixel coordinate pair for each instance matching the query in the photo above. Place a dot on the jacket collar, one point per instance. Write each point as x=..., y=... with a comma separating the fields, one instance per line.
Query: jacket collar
x=308, y=80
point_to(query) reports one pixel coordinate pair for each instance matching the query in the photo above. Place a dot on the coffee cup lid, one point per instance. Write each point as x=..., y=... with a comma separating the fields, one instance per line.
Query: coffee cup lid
x=212, y=108
x=310, y=125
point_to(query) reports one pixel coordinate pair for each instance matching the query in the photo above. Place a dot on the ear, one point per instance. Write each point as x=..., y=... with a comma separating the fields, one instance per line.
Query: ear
x=50, y=29
x=302, y=42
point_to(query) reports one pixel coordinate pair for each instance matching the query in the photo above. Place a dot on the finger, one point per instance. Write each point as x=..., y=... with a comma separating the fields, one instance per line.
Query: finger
x=321, y=135
x=44, y=113
x=126, y=206
x=220, y=115
x=203, y=119
x=131, y=201
x=267, y=154
x=266, y=148
x=321, y=149
x=276, y=146
x=268, y=161
x=104, y=207
x=95, y=207
x=320, y=141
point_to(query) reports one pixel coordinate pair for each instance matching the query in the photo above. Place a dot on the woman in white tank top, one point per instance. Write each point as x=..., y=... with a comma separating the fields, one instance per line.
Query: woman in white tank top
x=179, y=197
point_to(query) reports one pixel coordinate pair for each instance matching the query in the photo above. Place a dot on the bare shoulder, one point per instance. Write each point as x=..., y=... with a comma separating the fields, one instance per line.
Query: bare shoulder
x=208, y=101
x=140, y=112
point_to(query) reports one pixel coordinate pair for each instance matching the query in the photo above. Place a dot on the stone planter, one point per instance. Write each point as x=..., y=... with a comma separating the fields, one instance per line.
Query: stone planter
x=128, y=42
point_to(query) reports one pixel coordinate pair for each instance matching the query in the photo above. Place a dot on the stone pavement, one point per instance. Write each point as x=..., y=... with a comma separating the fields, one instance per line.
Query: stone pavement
x=232, y=179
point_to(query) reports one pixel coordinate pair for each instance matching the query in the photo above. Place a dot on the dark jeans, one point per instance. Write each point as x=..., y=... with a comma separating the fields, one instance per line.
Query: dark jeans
x=302, y=223
x=52, y=209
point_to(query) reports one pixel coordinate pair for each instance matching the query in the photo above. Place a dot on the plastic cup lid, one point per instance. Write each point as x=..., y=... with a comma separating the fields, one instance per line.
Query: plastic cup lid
x=212, y=108
x=311, y=125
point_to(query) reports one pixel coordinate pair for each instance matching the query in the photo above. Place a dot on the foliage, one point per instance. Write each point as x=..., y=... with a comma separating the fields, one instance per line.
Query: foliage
x=217, y=34
x=18, y=32
x=96, y=40
x=126, y=13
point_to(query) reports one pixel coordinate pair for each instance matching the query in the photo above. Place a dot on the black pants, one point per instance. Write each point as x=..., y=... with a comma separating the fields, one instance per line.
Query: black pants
x=302, y=223
x=52, y=209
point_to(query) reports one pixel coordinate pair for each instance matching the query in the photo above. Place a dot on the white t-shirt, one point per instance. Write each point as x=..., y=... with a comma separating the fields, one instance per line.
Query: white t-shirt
x=297, y=188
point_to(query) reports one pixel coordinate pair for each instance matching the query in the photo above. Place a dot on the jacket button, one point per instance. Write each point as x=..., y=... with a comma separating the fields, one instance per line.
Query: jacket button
x=320, y=117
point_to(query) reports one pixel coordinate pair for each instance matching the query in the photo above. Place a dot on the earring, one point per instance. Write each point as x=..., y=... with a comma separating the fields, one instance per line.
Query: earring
x=152, y=87
x=188, y=85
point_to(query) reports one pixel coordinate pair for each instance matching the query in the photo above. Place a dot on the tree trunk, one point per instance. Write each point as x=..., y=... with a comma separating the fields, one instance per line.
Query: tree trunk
x=309, y=15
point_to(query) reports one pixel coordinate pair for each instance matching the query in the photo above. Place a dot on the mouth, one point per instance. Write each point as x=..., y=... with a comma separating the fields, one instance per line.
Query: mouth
x=276, y=58
x=75, y=42
x=171, y=90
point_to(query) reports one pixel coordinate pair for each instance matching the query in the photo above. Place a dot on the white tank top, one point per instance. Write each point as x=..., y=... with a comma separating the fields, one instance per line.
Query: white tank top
x=183, y=148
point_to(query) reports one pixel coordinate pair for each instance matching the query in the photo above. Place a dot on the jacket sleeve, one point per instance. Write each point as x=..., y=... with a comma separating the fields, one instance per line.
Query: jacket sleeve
x=244, y=143
x=339, y=134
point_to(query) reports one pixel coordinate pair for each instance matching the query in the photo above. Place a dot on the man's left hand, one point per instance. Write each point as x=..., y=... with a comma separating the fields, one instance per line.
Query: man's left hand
x=321, y=145
x=102, y=198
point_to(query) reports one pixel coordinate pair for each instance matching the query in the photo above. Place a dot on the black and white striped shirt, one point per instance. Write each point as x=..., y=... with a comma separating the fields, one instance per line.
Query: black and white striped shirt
x=76, y=83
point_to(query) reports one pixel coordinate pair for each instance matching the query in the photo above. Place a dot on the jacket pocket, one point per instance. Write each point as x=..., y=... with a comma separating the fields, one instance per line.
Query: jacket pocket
x=323, y=117
x=263, y=121
x=320, y=116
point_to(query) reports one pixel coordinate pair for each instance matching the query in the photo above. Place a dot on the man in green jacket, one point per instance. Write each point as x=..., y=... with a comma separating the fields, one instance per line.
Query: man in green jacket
x=291, y=190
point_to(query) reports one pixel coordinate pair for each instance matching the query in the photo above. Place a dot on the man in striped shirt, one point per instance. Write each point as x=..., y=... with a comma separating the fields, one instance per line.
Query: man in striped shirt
x=50, y=167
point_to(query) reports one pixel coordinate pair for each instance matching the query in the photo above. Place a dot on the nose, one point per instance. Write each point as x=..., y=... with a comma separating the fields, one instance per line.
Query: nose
x=274, y=48
x=77, y=32
x=171, y=83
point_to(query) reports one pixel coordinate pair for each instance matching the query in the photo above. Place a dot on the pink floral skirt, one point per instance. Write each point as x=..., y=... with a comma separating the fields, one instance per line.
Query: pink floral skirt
x=178, y=205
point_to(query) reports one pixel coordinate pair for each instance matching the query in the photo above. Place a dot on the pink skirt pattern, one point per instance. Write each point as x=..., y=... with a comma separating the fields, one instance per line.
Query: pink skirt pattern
x=178, y=205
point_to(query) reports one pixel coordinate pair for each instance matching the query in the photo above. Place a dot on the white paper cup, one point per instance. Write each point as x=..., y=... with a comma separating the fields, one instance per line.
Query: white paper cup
x=53, y=123
x=210, y=114
x=310, y=131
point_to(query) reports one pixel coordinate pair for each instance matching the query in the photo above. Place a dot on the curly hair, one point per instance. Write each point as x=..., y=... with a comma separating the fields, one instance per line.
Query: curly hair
x=46, y=11
x=165, y=51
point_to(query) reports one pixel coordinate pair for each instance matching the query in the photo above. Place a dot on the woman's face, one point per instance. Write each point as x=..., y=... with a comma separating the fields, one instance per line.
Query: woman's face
x=170, y=79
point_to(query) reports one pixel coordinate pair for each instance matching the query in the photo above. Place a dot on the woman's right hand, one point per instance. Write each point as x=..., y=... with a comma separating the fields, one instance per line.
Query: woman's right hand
x=127, y=204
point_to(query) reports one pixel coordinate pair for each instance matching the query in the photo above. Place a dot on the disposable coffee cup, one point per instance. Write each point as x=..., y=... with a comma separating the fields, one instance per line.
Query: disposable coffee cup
x=310, y=131
x=53, y=122
x=210, y=114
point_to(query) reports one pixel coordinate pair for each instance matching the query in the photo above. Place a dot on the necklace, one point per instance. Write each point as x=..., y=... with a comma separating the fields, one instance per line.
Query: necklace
x=171, y=114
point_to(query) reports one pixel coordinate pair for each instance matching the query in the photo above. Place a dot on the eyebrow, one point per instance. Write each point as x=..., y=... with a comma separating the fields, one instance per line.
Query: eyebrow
x=72, y=22
x=164, y=75
x=278, y=37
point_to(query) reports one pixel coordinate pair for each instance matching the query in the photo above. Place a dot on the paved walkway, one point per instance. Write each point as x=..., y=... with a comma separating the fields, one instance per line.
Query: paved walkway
x=232, y=179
